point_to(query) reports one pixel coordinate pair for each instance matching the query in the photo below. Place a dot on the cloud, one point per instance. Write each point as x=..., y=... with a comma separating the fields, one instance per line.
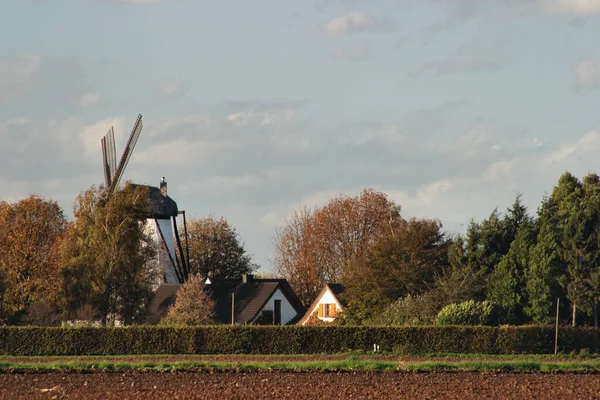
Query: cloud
x=171, y=90
x=480, y=53
x=352, y=22
x=90, y=99
x=18, y=76
x=354, y=52
x=587, y=73
x=574, y=7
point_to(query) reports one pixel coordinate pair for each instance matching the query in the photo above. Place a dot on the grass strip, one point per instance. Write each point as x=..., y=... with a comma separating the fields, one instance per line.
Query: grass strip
x=350, y=364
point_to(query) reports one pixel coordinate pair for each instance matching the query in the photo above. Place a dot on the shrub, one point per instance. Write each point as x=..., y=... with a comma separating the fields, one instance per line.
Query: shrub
x=193, y=306
x=469, y=313
x=51, y=341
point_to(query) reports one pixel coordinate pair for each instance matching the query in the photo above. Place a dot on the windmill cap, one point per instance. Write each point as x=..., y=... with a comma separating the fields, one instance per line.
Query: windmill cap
x=159, y=206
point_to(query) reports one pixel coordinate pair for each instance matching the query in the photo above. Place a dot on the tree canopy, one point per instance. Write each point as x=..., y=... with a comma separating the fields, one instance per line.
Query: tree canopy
x=216, y=250
x=30, y=231
x=108, y=259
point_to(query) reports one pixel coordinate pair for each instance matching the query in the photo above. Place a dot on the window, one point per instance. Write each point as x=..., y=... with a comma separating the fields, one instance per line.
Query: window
x=327, y=310
x=277, y=313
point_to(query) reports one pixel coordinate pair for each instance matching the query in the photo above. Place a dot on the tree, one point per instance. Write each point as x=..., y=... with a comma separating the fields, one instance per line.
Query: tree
x=546, y=277
x=507, y=285
x=315, y=247
x=581, y=245
x=108, y=259
x=401, y=262
x=30, y=231
x=299, y=256
x=215, y=249
x=193, y=306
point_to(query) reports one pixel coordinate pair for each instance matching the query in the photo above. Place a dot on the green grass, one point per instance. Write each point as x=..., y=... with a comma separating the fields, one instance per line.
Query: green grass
x=348, y=364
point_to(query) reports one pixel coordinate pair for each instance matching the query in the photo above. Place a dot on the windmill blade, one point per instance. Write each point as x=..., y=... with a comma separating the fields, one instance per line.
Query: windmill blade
x=112, y=153
x=109, y=157
x=133, y=137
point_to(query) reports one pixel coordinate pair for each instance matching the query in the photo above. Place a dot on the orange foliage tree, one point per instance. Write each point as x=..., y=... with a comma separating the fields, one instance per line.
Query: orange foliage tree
x=30, y=232
x=315, y=247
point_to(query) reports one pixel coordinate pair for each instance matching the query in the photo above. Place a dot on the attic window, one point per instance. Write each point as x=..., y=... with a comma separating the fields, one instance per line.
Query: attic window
x=327, y=310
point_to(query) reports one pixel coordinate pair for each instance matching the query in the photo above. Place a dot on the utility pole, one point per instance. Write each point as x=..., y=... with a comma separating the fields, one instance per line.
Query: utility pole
x=556, y=330
x=232, y=309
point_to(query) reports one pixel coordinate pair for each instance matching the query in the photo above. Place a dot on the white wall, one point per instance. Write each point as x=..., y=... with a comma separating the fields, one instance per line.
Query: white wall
x=327, y=298
x=287, y=311
x=164, y=261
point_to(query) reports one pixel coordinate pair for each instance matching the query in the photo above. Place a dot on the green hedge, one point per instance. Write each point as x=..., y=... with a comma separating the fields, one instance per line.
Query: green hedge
x=29, y=341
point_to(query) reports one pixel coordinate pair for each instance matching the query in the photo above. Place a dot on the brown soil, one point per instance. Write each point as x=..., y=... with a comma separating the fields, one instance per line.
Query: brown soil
x=282, y=385
x=246, y=358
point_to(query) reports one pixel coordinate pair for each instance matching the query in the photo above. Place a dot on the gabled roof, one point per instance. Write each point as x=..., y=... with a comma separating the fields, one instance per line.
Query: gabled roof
x=249, y=297
x=163, y=298
x=336, y=290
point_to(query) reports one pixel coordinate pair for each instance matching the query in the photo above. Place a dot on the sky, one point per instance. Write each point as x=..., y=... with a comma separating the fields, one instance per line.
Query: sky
x=253, y=109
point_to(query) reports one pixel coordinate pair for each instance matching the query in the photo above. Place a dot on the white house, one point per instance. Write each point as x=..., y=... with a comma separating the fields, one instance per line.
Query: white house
x=326, y=306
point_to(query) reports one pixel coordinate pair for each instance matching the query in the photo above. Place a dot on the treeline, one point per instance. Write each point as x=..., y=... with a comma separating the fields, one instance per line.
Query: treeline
x=510, y=268
x=401, y=271
x=101, y=266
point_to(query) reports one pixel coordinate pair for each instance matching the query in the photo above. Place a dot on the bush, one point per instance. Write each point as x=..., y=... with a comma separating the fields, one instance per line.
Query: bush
x=51, y=341
x=469, y=313
x=193, y=306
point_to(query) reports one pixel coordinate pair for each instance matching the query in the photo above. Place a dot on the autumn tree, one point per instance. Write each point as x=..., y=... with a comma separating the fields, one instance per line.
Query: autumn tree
x=299, y=256
x=109, y=260
x=215, y=249
x=193, y=306
x=30, y=231
x=403, y=261
x=315, y=247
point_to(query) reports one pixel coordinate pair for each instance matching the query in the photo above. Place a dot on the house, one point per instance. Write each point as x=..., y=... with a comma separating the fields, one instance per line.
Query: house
x=255, y=301
x=327, y=305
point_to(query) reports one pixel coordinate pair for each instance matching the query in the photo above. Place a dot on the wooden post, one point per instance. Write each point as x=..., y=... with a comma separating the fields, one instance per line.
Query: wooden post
x=556, y=330
x=232, y=308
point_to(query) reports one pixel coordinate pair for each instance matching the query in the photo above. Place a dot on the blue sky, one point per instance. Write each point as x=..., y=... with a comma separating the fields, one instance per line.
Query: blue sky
x=252, y=109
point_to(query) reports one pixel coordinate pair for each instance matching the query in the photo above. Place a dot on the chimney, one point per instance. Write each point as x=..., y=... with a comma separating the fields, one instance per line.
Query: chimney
x=163, y=187
x=247, y=277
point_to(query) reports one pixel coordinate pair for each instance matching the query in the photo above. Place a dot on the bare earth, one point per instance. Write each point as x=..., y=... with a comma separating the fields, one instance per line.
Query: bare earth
x=290, y=385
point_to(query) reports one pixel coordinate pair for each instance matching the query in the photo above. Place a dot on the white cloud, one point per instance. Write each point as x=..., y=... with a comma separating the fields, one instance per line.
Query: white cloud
x=535, y=143
x=587, y=73
x=350, y=23
x=354, y=52
x=171, y=90
x=90, y=99
x=17, y=76
x=90, y=136
x=574, y=7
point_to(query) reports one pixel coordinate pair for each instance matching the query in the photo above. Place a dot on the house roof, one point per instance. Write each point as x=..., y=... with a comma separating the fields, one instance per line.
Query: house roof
x=249, y=298
x=163, y=298
x=336, y=290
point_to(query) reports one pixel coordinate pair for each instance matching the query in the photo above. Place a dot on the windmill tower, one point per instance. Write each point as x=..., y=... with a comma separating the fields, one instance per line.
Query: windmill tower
x=161, y=220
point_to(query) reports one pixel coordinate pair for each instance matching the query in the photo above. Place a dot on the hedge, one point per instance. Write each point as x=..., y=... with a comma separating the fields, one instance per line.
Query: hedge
x=44, y=341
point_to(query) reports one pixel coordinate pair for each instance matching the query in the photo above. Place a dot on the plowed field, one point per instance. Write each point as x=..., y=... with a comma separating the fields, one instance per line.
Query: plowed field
x=290, y=385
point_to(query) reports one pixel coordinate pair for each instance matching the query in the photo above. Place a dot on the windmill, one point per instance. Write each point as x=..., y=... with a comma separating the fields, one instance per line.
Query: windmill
x=161, y=223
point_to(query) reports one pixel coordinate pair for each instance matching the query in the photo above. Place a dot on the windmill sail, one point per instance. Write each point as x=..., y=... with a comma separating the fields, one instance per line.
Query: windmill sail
x=133, y=137
x=109, y=157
